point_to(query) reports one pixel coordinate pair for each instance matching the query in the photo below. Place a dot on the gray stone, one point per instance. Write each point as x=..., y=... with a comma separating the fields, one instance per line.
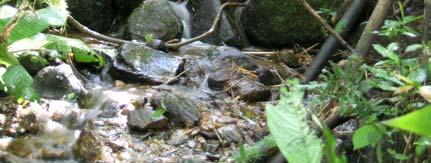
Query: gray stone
x=140, y=64
x=179, y=107
x=55, y=82
x=142, y=119
x=155, y=17
x=88, y=147
x=230, y=133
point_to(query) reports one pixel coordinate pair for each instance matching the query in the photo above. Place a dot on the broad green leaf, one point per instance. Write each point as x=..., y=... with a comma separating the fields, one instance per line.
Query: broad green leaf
x=6, y=12
x=33, y=23
x=6, y=58
x=414, y=47
x=30, y=24
x=380, y=73
x=421, y=144
x=19, y=83
x=331, y=148
x=388, y=53
x=287, y=123
x=417, y=122
x=81, y=52
x=52, y=16
x=366, y=135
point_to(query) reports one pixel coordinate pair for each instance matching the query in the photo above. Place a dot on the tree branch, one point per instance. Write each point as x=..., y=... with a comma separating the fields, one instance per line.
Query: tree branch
x=213, y=28
x=326, y=25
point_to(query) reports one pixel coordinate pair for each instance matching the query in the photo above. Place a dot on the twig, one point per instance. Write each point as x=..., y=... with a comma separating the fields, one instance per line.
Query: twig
x=176, y=77
x=326, y=25
x=92, y=33
x=213, y=28
x=331, y=44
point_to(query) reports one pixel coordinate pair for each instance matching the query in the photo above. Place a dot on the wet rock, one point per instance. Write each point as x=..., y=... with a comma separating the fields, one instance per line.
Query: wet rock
x=211, y=147
x=219, y=79
x=20, y=147
x=155, y=17
x=225, y=56
x=179, y=137
x=196, y=49
x=95, y=14
x=230, y=133
x=250, y=90
x=55, y=82
x=203, y=13
x=268, y=77
x=142, y=119
x=278, y=23
x=31, y=123
x=179, y=107
x=140, y=64
x=88, y=147
x=32, y=62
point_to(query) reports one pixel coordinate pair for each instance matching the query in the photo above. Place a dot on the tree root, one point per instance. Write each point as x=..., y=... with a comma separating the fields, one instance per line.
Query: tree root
x=169, y=45
x=97, y=35
x=213, y=28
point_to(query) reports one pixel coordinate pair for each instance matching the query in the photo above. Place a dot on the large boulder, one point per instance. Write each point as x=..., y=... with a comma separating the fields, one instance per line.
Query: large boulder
x=140, y=64
x=282, y=22
x=55, y=82
x=203, y=14
x=155, y=17
x=96, y=14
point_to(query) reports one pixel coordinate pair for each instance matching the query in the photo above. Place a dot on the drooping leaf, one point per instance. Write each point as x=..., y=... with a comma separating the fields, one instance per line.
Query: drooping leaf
x=288, y=125
x=366, y=135
x=414, y=47
x=34, y=22
x=81, y=52
x=417, y=122
x=6, y=58
x=52, y=16
x=19, y=83
x=421, y=145
x=331, y=148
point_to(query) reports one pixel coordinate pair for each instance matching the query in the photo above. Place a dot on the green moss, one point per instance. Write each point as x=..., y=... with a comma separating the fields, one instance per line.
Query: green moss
x=262, y=150
x=286, y=21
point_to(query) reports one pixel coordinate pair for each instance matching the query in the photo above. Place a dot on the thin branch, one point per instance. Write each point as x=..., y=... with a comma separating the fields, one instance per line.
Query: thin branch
x=213, y=29
x=326, y=25
x=92, y=33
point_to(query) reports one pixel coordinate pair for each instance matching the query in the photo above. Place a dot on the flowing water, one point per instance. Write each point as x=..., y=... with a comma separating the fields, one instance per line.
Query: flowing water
x=184, y=15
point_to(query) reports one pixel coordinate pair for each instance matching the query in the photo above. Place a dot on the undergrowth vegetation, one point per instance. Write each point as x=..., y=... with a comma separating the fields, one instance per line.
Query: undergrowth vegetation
x=390, y=100
x=22, y=29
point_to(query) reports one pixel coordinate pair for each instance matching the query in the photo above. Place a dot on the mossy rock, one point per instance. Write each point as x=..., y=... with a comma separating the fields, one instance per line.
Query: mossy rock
x=277, y=23
x=157, y=18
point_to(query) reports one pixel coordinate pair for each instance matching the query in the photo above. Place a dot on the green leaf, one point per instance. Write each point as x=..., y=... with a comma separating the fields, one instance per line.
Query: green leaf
x=287, y=123
x=417, y=122
x=331, y=148
x=33, y=23
x=52, y=16
x=19, y=83
x=158, y=112
x=6, y=58
x=389, y=52
x=414, y=47
x=421, y=144
x=366, y=135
